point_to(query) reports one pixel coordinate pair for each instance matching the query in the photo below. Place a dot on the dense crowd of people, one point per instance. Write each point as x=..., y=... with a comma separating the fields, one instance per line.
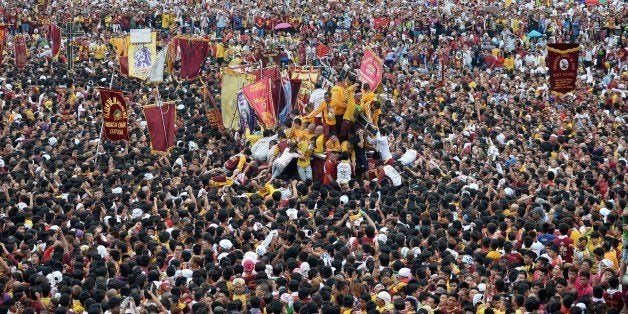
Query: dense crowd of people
x=476, y=191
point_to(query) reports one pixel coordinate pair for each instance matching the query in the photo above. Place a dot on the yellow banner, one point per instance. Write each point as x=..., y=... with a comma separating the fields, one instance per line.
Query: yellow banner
x=232, y=82
x=141, y=57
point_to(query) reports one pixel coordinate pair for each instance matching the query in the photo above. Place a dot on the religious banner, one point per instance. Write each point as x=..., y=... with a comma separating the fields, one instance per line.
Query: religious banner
x=115, y=117
x=54, y=36
x=232, y=82
x=562, y=61
x=247, y=118
x=157, y=68
x=194, y=51
x=275, y=84
x=161, y=129
x=260, y=98
x=371, y=70
x=21, y=52
x=141, y=56
x=308, y=78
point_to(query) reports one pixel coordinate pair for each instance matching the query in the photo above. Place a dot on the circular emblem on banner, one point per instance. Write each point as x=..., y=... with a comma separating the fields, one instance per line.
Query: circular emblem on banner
x=563, y=64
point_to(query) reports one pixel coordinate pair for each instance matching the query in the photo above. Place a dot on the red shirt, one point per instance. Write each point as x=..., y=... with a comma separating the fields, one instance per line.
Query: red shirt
x=565, y=248
x=329, y=170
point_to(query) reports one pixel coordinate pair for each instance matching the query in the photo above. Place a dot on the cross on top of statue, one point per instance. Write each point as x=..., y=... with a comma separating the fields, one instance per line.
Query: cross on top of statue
x=70, y=33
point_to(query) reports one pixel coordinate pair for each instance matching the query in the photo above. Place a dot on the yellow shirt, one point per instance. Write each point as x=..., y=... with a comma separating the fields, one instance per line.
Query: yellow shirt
x=329, y=113
x=612, y=256
x=339, y=99
x=99, y=51
x=320, y=144
x=220, y=51
x=333, y=145
x=350, y=110
x=251, y=137
x=298, y=134
x=306, y=151
x=165, y=20
x=509, y=63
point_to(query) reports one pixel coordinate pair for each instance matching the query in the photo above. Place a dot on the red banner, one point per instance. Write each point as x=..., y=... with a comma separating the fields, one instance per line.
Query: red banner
x=562, y=61
x=193, y=54
x=3, y=37
x=54, y=36
x=161, y=128
x=372, y=69
x=115, y=117
x=260, y=98
x=21, y=53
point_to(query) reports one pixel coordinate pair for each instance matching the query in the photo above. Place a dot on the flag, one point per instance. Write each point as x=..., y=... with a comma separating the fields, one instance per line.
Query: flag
x=287, y=97
x=121, y=45
x=274, y=75
x=157, y=69
x=260, y=98
x=3, y=37
x=371, y=70
x=231, y=82
x=54, y=36
x=246, y=117
x=161, y=128
x=194, y=51
x=562, y=61
x=115, y=117
x=21, y=53
x=141, y=55
x=308, y=78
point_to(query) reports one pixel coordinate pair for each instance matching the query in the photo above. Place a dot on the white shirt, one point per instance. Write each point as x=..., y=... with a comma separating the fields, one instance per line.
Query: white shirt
x=408, y=157
x=316, y=99
x=285, y=157
x=393, y=175
x=381, y=145
x=261, y=149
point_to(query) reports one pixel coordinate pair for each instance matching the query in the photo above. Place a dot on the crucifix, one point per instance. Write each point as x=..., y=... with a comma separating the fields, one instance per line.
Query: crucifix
x=70, y=32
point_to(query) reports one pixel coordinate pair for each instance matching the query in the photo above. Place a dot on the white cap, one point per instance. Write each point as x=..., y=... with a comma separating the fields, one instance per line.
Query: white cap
x=54, y=277
x=344, y=200
x=405, y=272
x=385, y=296
x=478, y=298
x=225, y=244
x=482, y=287
x=136, y=213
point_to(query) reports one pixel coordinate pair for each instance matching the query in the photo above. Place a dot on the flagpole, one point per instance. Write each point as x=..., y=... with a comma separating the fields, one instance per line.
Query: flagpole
x=102, y=125
x=111, y=81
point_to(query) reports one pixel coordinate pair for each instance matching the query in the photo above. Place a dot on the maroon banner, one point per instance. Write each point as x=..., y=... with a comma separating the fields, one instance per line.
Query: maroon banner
x=275, y=83
x=54, y=36
x=562, y=61
x=260, y=98
x=21, y=53
x=193, y=54
x=161, y=128
x=115, y=116
x=372, y=69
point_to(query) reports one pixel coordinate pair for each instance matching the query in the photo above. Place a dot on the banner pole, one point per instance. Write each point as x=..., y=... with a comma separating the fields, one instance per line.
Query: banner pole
x=102, y=125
